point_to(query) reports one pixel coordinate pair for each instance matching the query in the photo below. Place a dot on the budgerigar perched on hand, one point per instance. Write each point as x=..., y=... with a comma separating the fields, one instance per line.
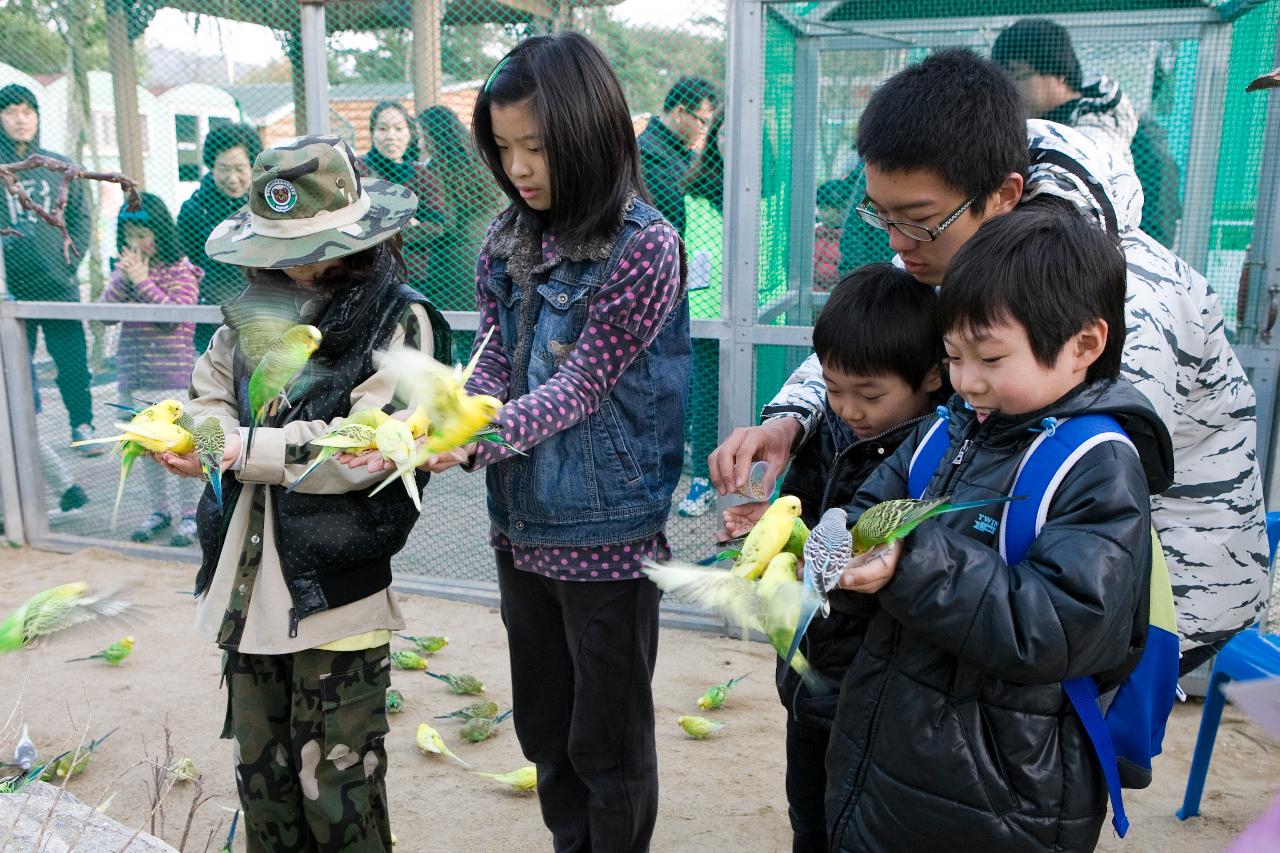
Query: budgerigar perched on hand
x=475, y=709
x=347, y=437
x=462, y=684
x=429, y=741
x=113, y=654
x=699, y=728
x=767, y=539
x=394, y=441
x=211, y=444
x=770, y=605
x=53, y=610
x=479, y=729
x=426, y=645
x=283, y=361
x=523, y=780
x=714, y=698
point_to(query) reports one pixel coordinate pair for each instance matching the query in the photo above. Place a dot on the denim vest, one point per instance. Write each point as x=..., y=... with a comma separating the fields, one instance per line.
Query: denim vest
x=609, y=478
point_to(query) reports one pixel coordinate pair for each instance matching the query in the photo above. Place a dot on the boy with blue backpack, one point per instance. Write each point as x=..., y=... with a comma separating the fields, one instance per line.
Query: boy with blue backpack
x=958, y=726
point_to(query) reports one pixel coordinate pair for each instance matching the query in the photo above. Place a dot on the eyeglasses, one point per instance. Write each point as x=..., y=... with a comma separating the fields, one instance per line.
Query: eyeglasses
x=911, y=230
x=703, y=121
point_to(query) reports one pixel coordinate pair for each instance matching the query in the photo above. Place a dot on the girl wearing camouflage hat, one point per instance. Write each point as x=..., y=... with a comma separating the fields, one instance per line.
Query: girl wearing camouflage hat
x=294, y=584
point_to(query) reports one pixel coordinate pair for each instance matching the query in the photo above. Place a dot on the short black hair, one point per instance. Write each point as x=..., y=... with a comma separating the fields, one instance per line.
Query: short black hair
x=1048, y=268
x=954, y=113
x=689, y=92
x=224, y=137
x=1042, y=44
x=835, y=194
x=587, y=134
x=153, y=214
x=879, y=320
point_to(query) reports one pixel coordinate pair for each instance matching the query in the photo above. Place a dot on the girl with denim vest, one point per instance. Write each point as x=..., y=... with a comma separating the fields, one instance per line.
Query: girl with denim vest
x=581, y=282
x=294, y=585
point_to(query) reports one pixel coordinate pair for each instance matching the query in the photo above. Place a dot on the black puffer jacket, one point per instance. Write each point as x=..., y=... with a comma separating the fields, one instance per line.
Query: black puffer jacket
x=827, y=471
x=952, y=730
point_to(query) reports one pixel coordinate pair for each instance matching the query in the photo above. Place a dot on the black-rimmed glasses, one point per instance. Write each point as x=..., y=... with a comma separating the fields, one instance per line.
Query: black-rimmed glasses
x=911, y=230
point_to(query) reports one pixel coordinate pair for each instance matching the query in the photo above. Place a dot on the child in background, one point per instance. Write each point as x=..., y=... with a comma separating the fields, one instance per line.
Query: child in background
x=881, y=354
x=581, y=282
x=953, y=728
x=833, y=206
x=154, y=360
x=294, y=586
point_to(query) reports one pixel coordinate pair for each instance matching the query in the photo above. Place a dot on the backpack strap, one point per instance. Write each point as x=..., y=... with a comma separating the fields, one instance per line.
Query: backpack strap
x=1044, y=465
x=928, y=456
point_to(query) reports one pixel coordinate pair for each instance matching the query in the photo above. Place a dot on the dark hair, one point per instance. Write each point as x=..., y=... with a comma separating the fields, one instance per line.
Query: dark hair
x=689, y=92
x=879, y=321
x=835, y=194
x=224, y=137
x=1042, y=44
x=586, y=128
x=1048, y=268
x=16, y=93
x=410, y=153
x=450, y=141
x=354, y=270
x=151, y=214
x=706, y=179
x=953, y=113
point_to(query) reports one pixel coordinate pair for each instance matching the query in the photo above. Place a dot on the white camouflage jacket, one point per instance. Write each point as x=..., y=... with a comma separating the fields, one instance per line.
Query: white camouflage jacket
x=1211, y=521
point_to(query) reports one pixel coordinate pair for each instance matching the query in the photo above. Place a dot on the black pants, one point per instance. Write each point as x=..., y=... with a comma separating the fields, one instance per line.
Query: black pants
x=582, y=657
x=807, y=786
x=65, y=341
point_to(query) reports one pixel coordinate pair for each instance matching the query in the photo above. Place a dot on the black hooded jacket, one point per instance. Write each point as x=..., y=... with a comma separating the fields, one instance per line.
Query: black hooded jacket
x=953, y=731
x=827, y=470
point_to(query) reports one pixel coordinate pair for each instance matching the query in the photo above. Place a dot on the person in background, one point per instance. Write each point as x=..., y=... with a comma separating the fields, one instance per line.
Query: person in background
x=35, y=265
x=704, y=245
x=833, y=205
x=228, y=155
x=393, y=157
x=670, y=142
x=154, y=360
x=468, y=199
x=1038, y=54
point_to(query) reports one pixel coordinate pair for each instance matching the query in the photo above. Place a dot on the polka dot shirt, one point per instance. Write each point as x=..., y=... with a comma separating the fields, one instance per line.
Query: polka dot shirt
x=624, y=316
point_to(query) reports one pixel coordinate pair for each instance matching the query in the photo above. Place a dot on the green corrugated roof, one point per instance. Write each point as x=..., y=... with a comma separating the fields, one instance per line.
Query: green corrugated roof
x=871, y=10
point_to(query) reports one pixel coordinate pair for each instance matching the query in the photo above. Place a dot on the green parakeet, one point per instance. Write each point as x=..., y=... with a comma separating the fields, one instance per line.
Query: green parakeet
x=113, y=654
x=479, y=729
x=404, y=659
x=211, y=443
x=699, y=728
x=72, y=763
x=770, y=605
x=888, y=521
x=713, y=699
x=767, y=539
x=523, y=780
x=430, y=742
x=53, y=610
x=462, y=684
x=475, y=709
x=426, y=645
x=395, y=701
x=348, y=437
x=283, y=361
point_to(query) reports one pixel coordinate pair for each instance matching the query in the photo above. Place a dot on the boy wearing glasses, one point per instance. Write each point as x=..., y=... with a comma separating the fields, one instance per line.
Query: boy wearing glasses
x=947, y=150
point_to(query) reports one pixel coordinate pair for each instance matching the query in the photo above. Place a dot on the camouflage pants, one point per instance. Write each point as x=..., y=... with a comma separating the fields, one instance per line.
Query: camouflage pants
x=310, y=760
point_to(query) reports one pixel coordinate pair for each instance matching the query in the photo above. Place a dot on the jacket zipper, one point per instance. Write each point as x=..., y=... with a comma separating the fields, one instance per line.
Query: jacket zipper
x=294, y=616
x=839, y=457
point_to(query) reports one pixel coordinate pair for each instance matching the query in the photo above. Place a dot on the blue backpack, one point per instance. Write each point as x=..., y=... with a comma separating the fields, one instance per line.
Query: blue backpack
x=1126, y=727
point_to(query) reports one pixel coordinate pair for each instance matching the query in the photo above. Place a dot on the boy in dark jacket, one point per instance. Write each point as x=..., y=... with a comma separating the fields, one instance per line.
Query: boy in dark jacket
x=881, y=354
x=953, y=730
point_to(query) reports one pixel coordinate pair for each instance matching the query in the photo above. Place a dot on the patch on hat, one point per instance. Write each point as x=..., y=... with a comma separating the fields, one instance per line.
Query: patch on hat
x=280, y=195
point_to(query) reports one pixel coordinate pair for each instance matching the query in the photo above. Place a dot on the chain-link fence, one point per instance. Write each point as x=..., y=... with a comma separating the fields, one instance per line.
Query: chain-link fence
x=755, y=102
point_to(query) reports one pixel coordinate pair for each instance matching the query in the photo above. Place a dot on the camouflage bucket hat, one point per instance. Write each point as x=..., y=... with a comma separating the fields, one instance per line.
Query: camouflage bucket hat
x=308, y=204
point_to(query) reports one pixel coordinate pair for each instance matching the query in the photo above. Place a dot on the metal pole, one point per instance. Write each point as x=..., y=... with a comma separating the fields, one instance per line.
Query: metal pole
x=743, y=173
x=13, y=528
x=427, y=73
x=315, y=68
x=805, y=118
x=1264, y=278
x=1213, y=57
x=21, y=425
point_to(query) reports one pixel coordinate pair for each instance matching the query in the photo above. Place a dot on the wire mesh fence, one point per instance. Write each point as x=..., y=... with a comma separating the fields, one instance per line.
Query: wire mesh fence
x=184, y=94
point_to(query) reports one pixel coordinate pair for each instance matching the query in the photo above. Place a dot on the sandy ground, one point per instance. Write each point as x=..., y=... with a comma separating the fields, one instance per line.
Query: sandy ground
x=725, y=793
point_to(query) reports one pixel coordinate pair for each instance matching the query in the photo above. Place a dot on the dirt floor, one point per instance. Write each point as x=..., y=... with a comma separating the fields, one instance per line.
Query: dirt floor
x=725, y=793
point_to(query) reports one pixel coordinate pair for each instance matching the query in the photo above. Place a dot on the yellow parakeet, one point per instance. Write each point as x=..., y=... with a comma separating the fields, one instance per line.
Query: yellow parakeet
x=768, y=538
x=430, y=742
x=523, y=780
x=395, y=442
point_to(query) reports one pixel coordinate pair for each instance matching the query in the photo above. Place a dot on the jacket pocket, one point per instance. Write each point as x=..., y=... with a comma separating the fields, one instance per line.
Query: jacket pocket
x=984, y=755
x=617, y=443
x=560, y=322
x=355, y=712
